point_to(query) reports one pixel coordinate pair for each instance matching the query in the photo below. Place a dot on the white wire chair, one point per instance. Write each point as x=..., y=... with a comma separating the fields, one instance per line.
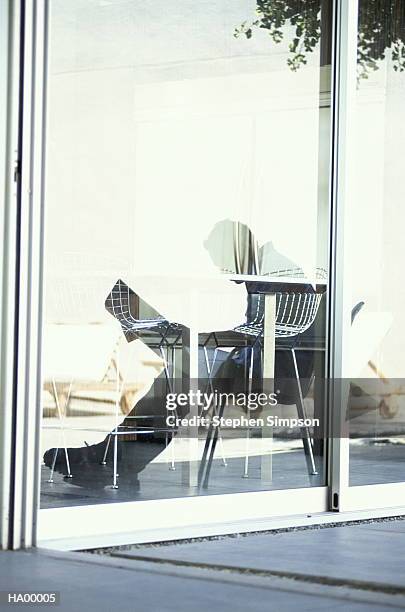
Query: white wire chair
x=74, y=294
x=295, y=314
x=159, y=334
x=163, y=334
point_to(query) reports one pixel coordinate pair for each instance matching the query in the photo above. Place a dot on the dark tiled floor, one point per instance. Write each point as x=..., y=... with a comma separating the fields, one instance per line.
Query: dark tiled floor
x=91, y=484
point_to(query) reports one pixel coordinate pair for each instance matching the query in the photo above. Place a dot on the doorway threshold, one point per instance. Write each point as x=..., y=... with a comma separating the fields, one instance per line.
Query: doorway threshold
x=220, y=529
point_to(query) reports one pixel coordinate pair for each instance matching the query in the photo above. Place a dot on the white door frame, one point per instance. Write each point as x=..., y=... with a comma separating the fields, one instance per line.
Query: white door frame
x=343, y=497
x=21, y=305
x=9, y=104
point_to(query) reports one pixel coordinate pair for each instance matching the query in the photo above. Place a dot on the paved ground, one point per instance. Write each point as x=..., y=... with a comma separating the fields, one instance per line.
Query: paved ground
x=356, y=568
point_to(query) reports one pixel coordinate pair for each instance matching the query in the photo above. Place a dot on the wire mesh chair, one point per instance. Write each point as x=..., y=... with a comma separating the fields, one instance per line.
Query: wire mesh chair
x=159, y=334
x=295, y=314
x=163, y=334
x=74, y=293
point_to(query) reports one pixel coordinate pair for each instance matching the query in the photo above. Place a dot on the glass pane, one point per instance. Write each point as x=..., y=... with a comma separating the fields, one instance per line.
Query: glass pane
x=187, y=159
x=377, y=409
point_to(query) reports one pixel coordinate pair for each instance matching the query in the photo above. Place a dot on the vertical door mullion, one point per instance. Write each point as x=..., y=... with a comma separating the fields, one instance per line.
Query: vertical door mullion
x=343, y=99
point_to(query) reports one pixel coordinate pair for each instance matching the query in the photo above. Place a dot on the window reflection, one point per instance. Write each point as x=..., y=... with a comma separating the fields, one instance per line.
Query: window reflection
x=179, y=157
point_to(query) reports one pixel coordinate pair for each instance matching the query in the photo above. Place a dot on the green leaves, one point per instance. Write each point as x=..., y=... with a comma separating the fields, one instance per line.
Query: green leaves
x=273, y=15
x=381, y=30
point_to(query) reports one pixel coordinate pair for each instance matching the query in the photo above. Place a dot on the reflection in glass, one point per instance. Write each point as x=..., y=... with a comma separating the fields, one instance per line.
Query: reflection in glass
x=375, y=225
x=183, y=163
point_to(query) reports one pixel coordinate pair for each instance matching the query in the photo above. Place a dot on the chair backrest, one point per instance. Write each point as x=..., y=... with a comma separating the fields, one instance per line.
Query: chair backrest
x=118, y=303
x=76, y=285
x=295, y=312
x=320, y=273
x=76, y=300
x=121, y=303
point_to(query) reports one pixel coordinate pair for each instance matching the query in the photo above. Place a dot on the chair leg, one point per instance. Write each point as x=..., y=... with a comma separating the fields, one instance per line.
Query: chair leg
x=203, y=462
x=50, y=479
x=172, y=465
x=165, y=358
x=306, y=437
x=107, y=446
x=166, y=368
x=209, y=371
x=169, y=443
x=246, y=466
x=212, y=436
x=115, y=461
x=62, y=428
x=173, y=360
x=120, y=382
x=212, y=449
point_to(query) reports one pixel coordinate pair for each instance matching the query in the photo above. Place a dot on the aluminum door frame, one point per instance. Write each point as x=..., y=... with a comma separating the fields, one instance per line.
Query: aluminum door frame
x=25, y=34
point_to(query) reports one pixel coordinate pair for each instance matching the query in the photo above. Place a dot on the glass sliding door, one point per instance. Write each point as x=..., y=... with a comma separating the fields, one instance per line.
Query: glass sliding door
x=186, y=253
x=377, y=424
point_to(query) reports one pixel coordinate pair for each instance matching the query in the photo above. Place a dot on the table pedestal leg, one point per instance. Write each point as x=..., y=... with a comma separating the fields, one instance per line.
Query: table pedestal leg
x=269, y=350
x=190, y=383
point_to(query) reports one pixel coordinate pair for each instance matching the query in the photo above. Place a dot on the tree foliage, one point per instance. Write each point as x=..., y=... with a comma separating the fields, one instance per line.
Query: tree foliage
x=381, y=30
